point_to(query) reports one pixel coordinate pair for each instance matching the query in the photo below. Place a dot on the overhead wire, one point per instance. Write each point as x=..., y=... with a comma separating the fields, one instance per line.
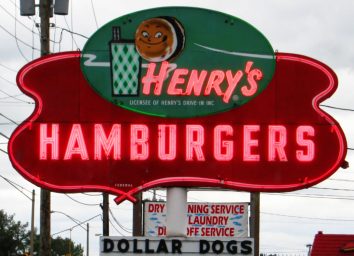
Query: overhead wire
x=115, y=228
x=19, y=40
x=69, y=229
x=15, y=185
x=18, y=46
x=337, y=108
x=309, y=218
x=349, y=198
x=14, y=17
x=77, y=201
x=118, y=223
x=94, y=13
x=8, y=68
x=6, y=117
x=15, y=98
x=8, y=81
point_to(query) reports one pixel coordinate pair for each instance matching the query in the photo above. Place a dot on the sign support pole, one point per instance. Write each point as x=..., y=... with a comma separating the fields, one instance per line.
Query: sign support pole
x=254, y=222
x=137, y=216
x=105, y=218
x=32, y=224
x=176, y=223
x=45, y=239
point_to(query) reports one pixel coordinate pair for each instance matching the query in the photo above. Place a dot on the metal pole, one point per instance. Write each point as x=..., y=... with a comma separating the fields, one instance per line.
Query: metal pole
x=87, y=239
x=45, y=239
x=137, y=216
x=105, y=209
x=32, y=223
x=254, y=223
x=176, y=204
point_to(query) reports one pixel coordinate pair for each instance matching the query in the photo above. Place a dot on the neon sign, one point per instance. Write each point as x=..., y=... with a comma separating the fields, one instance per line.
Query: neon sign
x=197, y=83
x=165, y=62
x=191, y=146
x=276, y=142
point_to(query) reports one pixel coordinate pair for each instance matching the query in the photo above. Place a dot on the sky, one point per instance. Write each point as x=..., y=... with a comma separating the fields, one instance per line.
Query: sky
x=320, y=29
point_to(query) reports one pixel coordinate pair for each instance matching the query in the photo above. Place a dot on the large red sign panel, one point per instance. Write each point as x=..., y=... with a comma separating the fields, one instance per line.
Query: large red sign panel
x=77, y=141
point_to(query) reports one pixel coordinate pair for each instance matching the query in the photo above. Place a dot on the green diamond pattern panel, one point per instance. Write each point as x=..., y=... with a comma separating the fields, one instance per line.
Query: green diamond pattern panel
x=125, y=69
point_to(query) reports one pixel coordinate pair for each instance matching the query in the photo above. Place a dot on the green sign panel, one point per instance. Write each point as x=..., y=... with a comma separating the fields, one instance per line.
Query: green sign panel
x=178, y=62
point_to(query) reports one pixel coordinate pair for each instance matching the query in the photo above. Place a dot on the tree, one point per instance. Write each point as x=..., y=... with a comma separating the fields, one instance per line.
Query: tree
x=60, y=247
x=15, y=240
x=13, y=235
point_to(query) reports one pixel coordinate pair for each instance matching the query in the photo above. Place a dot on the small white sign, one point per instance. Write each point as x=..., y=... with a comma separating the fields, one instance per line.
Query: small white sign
x=115, y=246
x=203, y=219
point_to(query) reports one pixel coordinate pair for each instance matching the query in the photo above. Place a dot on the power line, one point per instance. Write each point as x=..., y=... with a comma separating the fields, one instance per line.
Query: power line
x=87, y=194
x=8, y=68
x=16, y=39
x=345, y=180
x=118, y=223
x=334, y=189
x=349, y=198
x=4, y=135
x=303, y=217
x=4, y=151
x=8, y=81
x=23, y=42
x=14, y=17
x=338, y=108
x=115, y=228
x=72, y=35
x=12, y=121
x=13, y=184
x=80, y=202
x=94, y=13
x=10, y=96
x=69, y=229
x=71, y=218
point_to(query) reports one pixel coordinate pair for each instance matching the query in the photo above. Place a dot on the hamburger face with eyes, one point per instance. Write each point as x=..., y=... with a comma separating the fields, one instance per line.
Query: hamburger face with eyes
x=156, y=39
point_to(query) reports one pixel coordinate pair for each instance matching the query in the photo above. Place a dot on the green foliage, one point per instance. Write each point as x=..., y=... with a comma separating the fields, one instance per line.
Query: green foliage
x=15, y=240
x=60, y=246
x=13, y=235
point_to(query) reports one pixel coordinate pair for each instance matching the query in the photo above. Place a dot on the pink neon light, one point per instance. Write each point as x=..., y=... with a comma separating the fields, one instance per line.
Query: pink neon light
x=139, y=142
x=129, y=195
x=249, y=143
x=45, y=140
x=252, y=76
x=194, y=142
x=175, y=80
x=162, y=143
x=195, y=82
x=107, y=144
x=150, y=78
x=215, y=79
x=308, y=154
x=76, y=144
x=276, y=142
x=37, y=111
x=223, y=149
x=232, y=82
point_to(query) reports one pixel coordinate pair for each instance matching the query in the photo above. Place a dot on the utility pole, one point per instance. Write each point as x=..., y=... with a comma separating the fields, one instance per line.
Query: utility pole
x=254, y=222
x=32, y=223
x=105, y=209
x=45, y=238
x=87, y=238
x=27, y=8
x=137, y=216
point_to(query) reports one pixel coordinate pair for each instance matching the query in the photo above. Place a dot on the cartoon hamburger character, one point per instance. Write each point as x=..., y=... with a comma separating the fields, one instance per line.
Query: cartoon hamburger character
x=159, y=39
